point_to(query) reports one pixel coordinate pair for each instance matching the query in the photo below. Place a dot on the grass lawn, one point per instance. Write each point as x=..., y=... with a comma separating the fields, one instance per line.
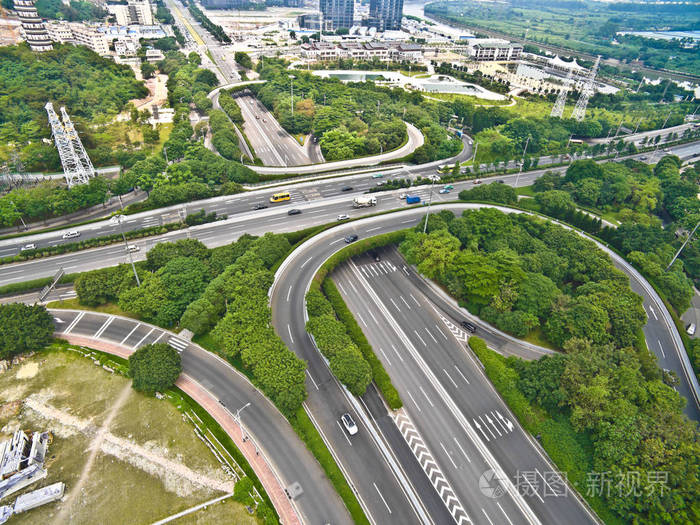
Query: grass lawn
x=536, y=337
x=74, y=304
x=150, y=465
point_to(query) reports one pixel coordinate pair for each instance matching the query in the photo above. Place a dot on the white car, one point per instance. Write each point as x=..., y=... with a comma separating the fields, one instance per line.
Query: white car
x=434, y=178
x=71, y=235
x=132, y=248
x=342, y=217
x=349, y=423
x=115, y=219
x=402, y=195
x=690, y=329
x=27, y=247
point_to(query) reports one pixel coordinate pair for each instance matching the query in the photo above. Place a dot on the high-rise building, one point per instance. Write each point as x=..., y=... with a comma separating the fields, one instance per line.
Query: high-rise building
x=337, y=13
x=33, y=26
x=385, y=15
x=135, y=12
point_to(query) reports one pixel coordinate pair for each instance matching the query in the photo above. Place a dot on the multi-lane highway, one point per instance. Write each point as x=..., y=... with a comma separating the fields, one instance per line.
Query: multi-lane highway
x=271, y=142
x=319, y=503
x=445, y=393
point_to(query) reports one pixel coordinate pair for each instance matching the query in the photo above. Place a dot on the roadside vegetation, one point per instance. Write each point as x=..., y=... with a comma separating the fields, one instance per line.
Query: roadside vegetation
x=612, y=408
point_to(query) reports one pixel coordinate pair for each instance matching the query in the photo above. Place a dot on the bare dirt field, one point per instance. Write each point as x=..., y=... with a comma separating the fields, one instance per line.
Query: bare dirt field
x=125, y=458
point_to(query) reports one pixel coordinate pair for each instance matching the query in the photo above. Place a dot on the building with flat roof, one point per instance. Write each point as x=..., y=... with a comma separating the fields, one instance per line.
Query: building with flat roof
x=494, y=50
x=33, y=27
x=135, y=12
x=90, y=37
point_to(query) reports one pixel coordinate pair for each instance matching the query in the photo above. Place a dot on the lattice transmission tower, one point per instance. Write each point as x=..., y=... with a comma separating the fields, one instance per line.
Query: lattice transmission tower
x=558, y=108
x=77, y=144
x=73, y=167
x=586, y=92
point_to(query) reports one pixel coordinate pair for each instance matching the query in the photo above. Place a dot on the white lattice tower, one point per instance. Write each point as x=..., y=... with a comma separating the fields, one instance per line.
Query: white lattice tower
x=77, y=144
x=580, y=109
x=558, y=108
x=72, y=168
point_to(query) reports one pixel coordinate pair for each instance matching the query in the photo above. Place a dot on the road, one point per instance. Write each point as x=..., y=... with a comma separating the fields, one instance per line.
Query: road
x=447, y=397
x=271, y=142
x=302, y=192
x=291, y=459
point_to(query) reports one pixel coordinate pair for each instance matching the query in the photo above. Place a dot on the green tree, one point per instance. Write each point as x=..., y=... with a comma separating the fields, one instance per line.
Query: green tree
x=24, y=329
x=154, y=368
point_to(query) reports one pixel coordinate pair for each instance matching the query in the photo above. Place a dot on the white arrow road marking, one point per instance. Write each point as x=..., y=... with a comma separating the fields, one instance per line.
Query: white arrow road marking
x=58, y=320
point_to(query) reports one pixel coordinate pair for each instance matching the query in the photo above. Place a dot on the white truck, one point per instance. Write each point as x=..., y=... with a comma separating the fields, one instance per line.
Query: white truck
x=364, y=201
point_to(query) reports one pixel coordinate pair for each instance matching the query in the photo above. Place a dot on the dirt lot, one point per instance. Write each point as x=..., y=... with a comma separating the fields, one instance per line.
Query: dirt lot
x=125, y=458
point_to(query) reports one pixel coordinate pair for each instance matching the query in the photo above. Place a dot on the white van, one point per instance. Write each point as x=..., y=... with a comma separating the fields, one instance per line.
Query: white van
x=71, y=235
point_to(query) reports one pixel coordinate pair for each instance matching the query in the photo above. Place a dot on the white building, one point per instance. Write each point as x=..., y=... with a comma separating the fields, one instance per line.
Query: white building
x=135, y=12
x=323, y=51
x=154, y=55
x=493, y=50
x=59, y=32
x=90, y=37
x=126, y=47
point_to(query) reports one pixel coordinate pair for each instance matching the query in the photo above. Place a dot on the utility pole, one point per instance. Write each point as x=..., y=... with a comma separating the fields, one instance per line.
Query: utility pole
x=430, y=202
x=681, y=248
x=128, y=252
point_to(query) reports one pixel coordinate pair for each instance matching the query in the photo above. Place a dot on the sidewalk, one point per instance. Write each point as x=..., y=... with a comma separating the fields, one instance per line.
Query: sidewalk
x=253, y=454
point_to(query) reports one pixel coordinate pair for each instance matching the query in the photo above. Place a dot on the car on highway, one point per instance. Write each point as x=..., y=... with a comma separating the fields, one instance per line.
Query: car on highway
x=342, y=217
x=294, y=211
x=477, y=181
x=690, y=329
x=115, y=219
x=346, y=188
x=27, y=247
x=643, y=157
x=381, y=183
x=434, y=178
x=71, y=234
x=351, y=238
x=469, y=327
x=448, y=187
x=132, y=248
x=349, y=423
x=377, y=175
x=402, y=195
x=443, y=191
x=257, y=117
x=260, y=206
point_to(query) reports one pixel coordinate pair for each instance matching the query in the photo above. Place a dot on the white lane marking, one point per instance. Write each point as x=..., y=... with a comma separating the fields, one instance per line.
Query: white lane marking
x=312, y=379
x=397, y=353
x=406, y=222
x=414, y=299
x=404, y=302
x=60, y=321
x=289, y=292
x=487, y=516
x=371, y=314
x=404, y=270
x=289, y=329
x=419, y=337
x=450, y=378
x=75, y=322
x=653, y=312
x=426, y=396
x=101, y=330
x=143, y=338
x=414, y=400
x=385, y=356
x=460, y=373
x=448, y=455
x=395, y=305
x=353, y=287
x=431, y=336
x=342, y=289
x=441, y=332
x=305, y=262
x=344, y=433
x=462, y=450
x=533, y=489
x=372, y=229
x=487, y=427
x=12, y=272
x=380, y=495
x=662, y=349
x=504, y=513
x=158, y=338
x=361, y=319
x=337, y=240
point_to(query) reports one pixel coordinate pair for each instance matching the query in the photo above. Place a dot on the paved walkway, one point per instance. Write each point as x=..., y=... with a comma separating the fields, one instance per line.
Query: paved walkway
x=223, y=417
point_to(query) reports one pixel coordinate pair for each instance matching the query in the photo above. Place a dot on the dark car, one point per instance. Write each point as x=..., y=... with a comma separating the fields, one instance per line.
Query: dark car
x=469, y=327
x=346, y=188
x=294, y=211
x=351, y=238
x=375, y=256
x=260, y=206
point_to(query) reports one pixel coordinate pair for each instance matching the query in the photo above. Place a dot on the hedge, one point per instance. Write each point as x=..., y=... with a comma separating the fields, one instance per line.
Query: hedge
x=379, y=373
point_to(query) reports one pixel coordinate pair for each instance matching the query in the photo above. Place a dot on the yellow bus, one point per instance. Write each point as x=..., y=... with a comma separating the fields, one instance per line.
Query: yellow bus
x=279, y=197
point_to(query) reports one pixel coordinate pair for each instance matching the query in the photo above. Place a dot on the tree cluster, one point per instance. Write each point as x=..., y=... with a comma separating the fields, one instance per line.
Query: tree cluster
x=154, y=368
x=24, y=329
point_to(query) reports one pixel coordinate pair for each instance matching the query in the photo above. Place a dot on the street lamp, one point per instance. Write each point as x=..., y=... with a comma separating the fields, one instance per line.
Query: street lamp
x=128, y=252
x=291, y=89
x=430, y=202
x=522, y=163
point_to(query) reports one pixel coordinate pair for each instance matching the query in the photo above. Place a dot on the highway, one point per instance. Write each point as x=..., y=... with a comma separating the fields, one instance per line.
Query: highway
x=271, y=142
x=308, y=192
x=445, y=392
x=289, y=456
